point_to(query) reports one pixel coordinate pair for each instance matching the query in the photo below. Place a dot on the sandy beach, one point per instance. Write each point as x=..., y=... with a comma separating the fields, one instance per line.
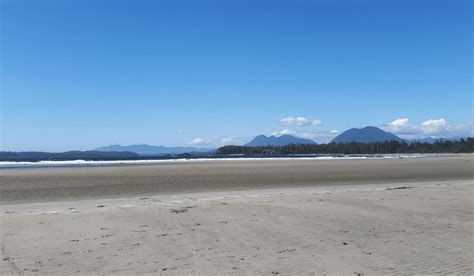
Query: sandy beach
x=47, y=184
x=408, y=216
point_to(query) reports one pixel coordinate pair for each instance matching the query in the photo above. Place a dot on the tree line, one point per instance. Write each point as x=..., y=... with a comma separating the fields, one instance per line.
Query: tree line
x=387, y=147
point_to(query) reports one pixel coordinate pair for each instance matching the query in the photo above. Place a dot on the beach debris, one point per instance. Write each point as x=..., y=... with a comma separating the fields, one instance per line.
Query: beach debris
x=344, y=243
x=399, y=188
x=286, y=250
x=179, y=211
x=101, y=206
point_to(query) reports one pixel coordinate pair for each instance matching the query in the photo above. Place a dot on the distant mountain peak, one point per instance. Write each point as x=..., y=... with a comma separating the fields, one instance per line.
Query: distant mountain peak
x=368, y=134
x=272, y=140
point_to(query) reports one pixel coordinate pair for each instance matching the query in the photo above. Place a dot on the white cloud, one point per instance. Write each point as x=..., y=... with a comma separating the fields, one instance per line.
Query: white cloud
x=200, y=142
x=435, y=126
x=439, y=128
x=283, y=132
x=401, y=126
x=299, y=121
x=440, y=122
x=400, y=122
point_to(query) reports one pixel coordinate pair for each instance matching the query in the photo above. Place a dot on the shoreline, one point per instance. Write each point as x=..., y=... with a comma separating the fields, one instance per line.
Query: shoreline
x=53, y=184
x=4, y=165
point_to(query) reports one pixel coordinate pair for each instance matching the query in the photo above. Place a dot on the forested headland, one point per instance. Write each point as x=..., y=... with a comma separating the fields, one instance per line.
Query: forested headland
x=387, y=147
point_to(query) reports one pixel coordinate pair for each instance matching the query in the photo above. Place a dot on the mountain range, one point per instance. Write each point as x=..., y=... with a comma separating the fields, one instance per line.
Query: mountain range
x=155, y=150
x=367, y=134
x=283, y=140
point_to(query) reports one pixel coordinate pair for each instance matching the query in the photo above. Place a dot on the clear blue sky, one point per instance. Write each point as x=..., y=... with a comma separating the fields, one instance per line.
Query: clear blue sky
x=82, y=74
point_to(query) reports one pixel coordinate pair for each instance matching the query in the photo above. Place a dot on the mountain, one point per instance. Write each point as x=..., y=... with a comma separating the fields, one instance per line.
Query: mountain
x=368, y=134
x=155, y=150
x=283, y=140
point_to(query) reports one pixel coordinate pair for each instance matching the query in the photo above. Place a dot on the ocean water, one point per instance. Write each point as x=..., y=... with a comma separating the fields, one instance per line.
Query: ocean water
x=87, y=163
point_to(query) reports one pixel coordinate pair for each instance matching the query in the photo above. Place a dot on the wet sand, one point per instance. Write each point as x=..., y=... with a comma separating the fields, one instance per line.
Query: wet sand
x=46, y=184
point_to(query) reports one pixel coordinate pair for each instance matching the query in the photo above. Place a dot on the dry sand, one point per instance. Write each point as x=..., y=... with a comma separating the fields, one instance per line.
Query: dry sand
x=326, y=229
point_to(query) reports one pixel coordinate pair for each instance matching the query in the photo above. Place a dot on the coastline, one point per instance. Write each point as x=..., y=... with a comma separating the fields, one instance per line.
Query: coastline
x=72, y=183
x=145, y=161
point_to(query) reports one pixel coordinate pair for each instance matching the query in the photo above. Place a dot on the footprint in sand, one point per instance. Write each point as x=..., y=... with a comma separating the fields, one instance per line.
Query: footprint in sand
x=179, y=211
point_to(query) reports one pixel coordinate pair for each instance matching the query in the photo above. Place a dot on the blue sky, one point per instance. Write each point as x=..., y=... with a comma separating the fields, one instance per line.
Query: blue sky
x=82, y=74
